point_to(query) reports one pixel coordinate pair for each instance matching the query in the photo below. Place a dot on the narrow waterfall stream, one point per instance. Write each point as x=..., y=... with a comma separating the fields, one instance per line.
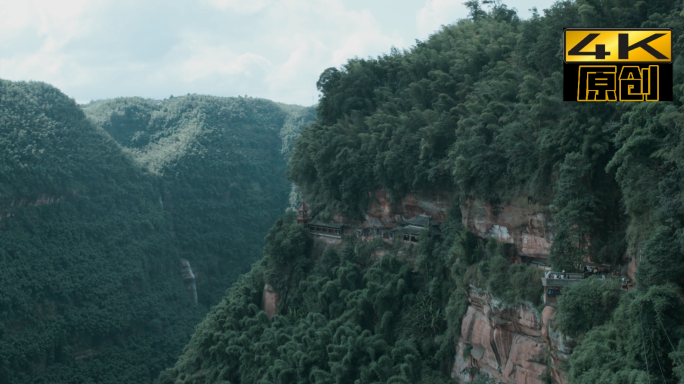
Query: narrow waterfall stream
x=189, y=278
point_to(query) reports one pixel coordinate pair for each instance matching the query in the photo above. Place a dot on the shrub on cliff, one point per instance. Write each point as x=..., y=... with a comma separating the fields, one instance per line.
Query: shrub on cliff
x=505, y=281
x=677, y=357
x=483, y=379
x=663, y=258
x=634, y=345
x=586, y=305
x=514, y=283
x=284, y=253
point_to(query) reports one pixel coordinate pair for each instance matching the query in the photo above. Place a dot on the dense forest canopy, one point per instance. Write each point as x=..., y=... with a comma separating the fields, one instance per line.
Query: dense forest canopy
x=93, y=232
x=221, y=170
x=347, y=316
x=476, y=110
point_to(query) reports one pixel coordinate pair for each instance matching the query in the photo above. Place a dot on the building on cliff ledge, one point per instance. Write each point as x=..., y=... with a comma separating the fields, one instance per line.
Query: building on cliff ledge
x=375, y=233
x=553, y=283
x=324, y=229
x=412, y=228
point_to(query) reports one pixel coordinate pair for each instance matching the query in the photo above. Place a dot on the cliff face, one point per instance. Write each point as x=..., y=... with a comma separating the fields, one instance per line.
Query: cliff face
x=528, y=226
x=8, y=206
x=513, y=345
x=382, y=212
x=271, y=300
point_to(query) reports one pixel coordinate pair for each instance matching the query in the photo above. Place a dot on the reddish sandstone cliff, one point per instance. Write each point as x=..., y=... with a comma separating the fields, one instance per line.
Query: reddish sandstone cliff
x=528, y=226
x=515, y=345
x=383, y=213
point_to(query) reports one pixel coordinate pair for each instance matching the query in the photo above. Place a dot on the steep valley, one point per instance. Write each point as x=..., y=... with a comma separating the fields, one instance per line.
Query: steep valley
x=98, y=238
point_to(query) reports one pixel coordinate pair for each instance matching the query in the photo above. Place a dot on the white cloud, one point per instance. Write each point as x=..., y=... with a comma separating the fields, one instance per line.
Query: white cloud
x=260, y=47
x=241, y=6
x=321, y=34
x=51, y=25
x=33, y=66
x=208, y=61
x=307, y=37
x=94, y=49
x=436, y=13
x=57, y=21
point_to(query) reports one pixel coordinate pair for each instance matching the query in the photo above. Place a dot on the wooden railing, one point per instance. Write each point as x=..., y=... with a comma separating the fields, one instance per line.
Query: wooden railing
x=569, y=278
x=557, y=282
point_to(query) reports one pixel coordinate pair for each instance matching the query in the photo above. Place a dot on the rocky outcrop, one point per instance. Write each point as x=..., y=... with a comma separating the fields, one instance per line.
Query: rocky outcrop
x=528, y=226
x=8, y=204
x=384, y=213
x=271, y=300
x=515, y=345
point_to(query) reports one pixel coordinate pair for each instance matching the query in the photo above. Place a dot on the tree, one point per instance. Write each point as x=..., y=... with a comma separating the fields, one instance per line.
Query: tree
x=476, y=11
x=577, y=217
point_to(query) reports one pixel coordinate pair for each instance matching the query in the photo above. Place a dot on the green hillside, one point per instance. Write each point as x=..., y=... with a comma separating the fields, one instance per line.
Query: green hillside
x=221, y=172
x=475, y=110
x=93, y=235
x=347, y=317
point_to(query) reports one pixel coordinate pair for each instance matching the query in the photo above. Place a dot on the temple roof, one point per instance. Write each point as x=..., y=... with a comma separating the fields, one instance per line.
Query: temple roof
x=422, y=220
x=413, y=230
x=302, y=207
x=324, y=224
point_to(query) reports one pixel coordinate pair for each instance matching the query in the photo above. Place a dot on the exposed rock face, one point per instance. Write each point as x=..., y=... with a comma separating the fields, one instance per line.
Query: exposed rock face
x=528, y=226
x=271, y=300
x=381, y=213
x=7, y=205
x=512, y=344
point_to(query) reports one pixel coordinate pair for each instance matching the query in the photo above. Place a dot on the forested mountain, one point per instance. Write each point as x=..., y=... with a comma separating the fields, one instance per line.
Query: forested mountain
x=347, y=317
x=102, y=244
x=221, y=172
x=475, y=110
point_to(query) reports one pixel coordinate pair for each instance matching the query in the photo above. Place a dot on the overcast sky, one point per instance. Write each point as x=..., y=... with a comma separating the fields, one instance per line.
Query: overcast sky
x=275, y=49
